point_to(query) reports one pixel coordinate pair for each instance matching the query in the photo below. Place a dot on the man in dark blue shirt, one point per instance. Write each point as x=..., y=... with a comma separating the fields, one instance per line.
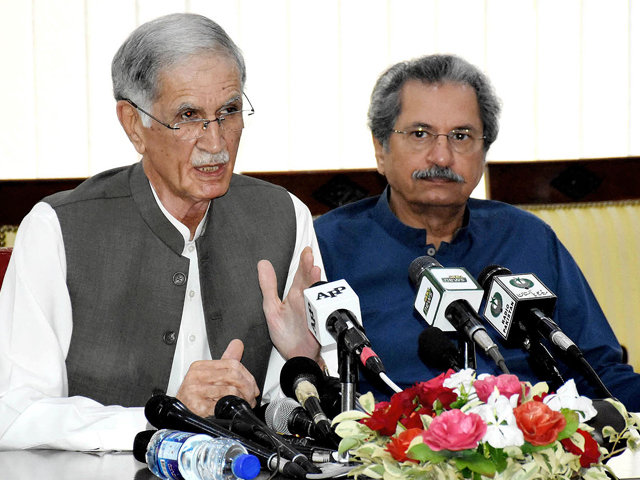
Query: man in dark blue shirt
x=433, y=120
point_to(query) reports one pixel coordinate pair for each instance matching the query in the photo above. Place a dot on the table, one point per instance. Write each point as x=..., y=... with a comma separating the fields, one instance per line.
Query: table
x=62, y=465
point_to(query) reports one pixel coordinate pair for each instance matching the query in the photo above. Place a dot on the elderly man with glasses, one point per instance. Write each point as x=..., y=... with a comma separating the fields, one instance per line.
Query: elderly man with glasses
x=161, y=277
x=432, y=120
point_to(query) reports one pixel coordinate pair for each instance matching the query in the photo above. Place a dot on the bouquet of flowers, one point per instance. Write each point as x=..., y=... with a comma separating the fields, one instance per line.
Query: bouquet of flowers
x=459, y=426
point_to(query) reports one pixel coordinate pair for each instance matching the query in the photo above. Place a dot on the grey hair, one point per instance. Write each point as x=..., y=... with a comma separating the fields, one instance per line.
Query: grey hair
x=162, y=43
x=385, y=106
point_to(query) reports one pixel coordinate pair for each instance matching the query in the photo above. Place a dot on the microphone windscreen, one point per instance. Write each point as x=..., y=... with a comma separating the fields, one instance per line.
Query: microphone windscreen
x=277, y=414
x=155, y=407
x=140, y=444
x=419, y=265
x=297, y=368
x=436, y=350
x=490, y=271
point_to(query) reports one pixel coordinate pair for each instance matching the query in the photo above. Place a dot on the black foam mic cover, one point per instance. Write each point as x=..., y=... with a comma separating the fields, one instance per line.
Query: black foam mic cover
x=437, y=351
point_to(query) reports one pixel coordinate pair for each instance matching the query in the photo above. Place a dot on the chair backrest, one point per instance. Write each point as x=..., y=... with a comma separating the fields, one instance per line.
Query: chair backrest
x=594, y=208
x=5, y=255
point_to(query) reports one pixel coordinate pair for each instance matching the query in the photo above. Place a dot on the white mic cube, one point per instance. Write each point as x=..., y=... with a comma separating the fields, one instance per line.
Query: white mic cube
x=441, y=286
x=322, y=300
x=508, y=292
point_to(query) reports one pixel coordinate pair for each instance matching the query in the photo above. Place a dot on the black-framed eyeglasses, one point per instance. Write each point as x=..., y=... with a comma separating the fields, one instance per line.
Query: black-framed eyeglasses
x=461, y=140
x=230, y=121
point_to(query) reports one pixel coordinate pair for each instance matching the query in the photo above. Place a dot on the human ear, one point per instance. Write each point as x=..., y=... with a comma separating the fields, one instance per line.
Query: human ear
x=132, y=124
x=380, y=152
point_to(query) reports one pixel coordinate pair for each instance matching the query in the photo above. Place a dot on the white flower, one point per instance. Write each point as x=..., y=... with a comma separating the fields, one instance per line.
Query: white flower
x=567, y=397
x=497, y=413
x=462, y=380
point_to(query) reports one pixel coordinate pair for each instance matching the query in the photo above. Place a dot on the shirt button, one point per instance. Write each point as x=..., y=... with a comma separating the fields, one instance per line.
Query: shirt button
x=431, y=251
x=179, y=279
x=192, y=338
x=191, y=248
x=170, y=338
x=192, y=293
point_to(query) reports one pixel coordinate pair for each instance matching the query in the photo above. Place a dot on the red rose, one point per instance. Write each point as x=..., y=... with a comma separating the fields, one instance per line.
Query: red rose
x=429, y=392
x=590, y=455
x=384, y=418
x=455, y=430
x=405, y=401
x=508, y=385
x=414, y=420
x=398, y=446
x=539, y=424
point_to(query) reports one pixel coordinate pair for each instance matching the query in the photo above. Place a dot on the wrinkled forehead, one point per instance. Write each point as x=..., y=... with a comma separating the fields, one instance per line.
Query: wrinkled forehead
x=188, y=67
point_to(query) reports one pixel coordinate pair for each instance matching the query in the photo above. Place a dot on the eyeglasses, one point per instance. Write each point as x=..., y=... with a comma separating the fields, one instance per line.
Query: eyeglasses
x=230, y=120
x=461, y=140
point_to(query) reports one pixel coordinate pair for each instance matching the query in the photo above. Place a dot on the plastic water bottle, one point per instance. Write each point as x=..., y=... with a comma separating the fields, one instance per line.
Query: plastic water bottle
x=174, y=455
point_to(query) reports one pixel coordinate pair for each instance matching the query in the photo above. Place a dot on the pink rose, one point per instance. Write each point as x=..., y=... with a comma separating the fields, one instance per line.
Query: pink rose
x=508, y=385
x=455, y=430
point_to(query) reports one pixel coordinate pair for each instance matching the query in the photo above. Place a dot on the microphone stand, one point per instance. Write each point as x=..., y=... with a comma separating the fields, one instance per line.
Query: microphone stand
x=540, y=360
x=348, y=370
x=467, y=353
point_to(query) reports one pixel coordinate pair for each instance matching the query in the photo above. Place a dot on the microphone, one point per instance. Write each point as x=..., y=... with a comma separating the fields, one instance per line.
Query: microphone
x=450, y=291
x=513, y=298
x=344, y=328
x=336, y=306
x=322, y=299
x=525, y=298
x=163, y=411
x=436, y=350
x=438, y=287
x=285, y=415
x=234, y=408
x=514, y=331
x=299, y=379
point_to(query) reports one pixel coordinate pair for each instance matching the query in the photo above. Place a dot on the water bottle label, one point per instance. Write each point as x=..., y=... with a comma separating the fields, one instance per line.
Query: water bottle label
x=168, y=454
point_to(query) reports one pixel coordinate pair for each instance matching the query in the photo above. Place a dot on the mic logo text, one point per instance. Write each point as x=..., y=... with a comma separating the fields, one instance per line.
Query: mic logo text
x=312, y=317
x=428, y=296
x=454, y=279
x=331, y=294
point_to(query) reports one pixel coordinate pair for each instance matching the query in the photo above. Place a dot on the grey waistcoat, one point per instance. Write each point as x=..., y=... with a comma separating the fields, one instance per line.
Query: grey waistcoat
x=127, y=279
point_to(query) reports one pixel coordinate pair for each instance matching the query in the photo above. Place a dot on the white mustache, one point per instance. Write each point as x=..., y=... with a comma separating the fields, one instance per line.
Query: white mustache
x=200, y=158
x=439, y=172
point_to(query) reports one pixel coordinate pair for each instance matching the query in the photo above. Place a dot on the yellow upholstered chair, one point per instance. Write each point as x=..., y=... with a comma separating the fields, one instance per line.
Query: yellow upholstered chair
x=8, y=235
x=604, y=239
x=593, y=205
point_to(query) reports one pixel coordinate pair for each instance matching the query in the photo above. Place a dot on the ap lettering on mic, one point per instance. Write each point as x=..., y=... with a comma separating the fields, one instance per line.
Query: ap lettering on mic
x=324, y=299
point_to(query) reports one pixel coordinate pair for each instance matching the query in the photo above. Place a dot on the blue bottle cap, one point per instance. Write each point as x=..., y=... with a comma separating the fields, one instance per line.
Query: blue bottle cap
x=246, y=466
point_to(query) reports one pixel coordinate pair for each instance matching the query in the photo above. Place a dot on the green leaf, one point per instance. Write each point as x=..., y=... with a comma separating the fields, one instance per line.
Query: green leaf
x=476, y=463
x=347, y=444
x=422, y=453
x=349, y=415
x=609, y=432
x=528, y=448
x=368, y=402
x=499, y=457
x=351, y=428
x=573, y=420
